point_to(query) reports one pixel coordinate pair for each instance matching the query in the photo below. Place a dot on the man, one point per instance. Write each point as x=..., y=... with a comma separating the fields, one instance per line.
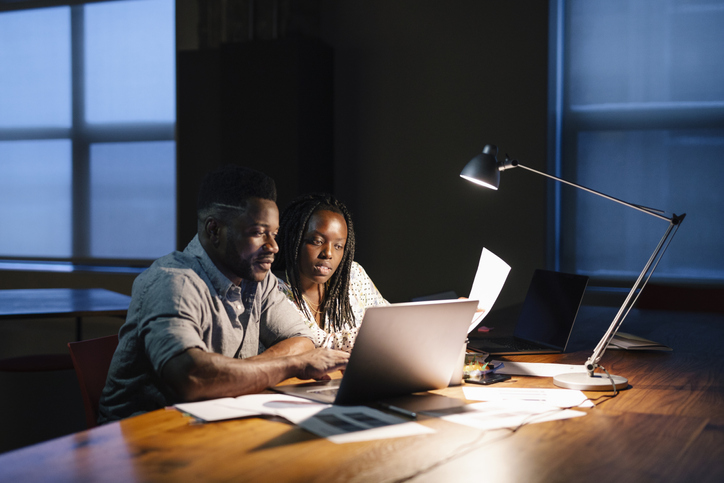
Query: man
x=198, y=318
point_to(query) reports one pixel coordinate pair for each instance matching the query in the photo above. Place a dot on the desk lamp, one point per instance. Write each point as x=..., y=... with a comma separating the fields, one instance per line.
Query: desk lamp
x=484, y=169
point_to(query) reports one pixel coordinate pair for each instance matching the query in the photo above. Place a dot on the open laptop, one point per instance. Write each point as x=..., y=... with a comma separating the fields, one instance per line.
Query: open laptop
x=546, y=319
x=400, y=349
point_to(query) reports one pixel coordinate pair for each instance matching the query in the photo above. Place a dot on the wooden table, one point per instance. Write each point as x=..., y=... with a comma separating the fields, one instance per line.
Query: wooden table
x=668, y=426
x=56, y=303
x=62, y=302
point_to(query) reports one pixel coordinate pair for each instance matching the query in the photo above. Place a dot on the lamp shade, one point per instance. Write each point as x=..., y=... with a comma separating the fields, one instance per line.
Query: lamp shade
x=483, y=169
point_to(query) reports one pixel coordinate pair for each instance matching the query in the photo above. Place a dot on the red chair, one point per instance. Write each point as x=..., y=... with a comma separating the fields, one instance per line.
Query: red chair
x=92, y=359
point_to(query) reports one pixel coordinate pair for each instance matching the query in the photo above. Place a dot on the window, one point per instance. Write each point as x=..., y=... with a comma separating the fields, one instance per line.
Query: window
x=641, y=118
x=87, y=116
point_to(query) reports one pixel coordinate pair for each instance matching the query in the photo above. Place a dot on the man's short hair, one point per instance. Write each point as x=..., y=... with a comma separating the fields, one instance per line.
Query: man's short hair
x=231, y=186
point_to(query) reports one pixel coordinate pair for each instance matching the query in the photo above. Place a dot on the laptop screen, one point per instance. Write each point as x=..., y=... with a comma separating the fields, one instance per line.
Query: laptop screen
x=550, y=307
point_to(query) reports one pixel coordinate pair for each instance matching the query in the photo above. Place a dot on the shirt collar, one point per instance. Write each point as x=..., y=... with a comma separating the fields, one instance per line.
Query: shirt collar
x=218, y=280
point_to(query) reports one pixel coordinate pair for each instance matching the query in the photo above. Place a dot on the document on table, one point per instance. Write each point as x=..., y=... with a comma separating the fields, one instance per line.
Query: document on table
x=507, y=414
x=624, y=340
x=489, y=280
x=349, y=424
x=251, y=405
x=339, y=424
x=214, y=410
x=543, y=369
x=562, y=398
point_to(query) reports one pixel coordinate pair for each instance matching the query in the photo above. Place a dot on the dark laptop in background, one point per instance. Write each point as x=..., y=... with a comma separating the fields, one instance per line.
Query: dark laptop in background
x=546, y=319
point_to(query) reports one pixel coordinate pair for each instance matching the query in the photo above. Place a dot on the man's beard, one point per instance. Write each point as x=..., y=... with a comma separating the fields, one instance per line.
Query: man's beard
x=241, y=267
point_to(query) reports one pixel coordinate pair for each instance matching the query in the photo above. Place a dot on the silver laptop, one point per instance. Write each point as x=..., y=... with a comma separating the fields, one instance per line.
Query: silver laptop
x=400, y=349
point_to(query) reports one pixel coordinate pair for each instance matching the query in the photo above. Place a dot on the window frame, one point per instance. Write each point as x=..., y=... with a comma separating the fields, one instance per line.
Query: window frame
x=566, y=121
x=82, y=135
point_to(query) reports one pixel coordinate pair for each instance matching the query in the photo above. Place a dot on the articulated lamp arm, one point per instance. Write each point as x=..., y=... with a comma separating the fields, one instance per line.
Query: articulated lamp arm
x=484, y=170
x=674, y=223
x=512, y=163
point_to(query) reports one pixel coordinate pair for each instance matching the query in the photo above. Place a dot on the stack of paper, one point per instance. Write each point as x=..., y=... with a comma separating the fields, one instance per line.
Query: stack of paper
x=513, y=407
x=623, y=340
x=339, y=424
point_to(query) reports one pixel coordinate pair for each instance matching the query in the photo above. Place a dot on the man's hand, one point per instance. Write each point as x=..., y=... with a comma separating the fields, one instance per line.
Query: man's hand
x=195, y=375
x=316, y=363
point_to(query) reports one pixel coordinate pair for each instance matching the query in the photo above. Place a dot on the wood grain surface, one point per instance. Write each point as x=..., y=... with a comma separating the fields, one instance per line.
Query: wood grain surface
x=667, y=426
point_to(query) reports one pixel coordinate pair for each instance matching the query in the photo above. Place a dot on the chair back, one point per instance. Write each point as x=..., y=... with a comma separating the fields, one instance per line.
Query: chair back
x=91, y=360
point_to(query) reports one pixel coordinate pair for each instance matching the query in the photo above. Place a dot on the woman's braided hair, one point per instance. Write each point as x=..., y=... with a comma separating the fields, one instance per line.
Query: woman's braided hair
x=292, y=227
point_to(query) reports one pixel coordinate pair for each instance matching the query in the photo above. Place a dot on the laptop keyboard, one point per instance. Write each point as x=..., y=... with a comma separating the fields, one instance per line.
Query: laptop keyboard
x=332, y=391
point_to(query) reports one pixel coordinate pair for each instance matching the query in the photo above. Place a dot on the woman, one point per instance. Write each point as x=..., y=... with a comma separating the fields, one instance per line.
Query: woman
x=317, y=271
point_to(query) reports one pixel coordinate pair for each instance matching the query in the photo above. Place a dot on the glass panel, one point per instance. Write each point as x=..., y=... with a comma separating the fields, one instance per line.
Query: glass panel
x=35, y=89
x=133, y=199
x=623, y=51
x=130, y=62
x=652, y=168
x=35, y=198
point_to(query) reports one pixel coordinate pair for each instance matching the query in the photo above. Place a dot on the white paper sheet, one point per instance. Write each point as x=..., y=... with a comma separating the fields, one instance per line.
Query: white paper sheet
x=543, y=369
x=340, y=424
x=562, y=398
x=289, y=407
x=397, y=431
x=214, y=410
x=508, y=414
x=489, y=280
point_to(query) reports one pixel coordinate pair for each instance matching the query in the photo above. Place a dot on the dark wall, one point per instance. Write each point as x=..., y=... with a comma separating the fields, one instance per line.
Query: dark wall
x=265, y=104
x=420, y=86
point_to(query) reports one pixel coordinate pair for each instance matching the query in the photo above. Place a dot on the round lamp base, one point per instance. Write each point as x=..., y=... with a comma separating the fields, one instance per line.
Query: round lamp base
x=583, y=382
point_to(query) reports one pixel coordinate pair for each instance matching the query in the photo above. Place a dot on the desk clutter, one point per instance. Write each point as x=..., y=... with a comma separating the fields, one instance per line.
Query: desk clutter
x=476, y=364
x=504, y=408
x=674, y=396
x=339, y=424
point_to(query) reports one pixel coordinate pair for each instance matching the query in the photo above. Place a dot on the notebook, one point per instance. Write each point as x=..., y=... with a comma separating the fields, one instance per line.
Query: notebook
x=546, y=318
x=400, y=349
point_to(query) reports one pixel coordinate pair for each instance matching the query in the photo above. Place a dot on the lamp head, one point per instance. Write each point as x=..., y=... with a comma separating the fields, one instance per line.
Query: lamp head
x=484, y=168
